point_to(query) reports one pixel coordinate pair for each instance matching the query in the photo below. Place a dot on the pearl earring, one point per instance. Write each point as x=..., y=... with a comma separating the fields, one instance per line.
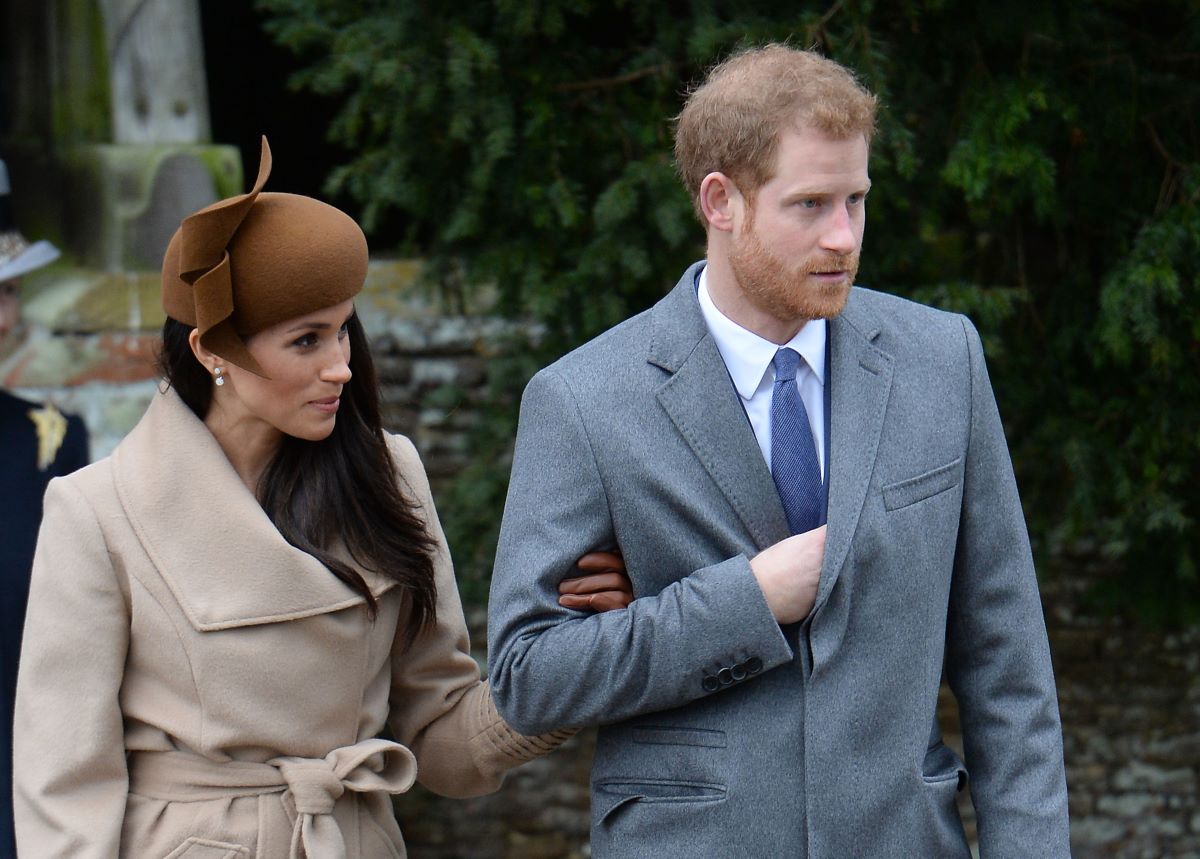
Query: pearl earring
x=220, y=380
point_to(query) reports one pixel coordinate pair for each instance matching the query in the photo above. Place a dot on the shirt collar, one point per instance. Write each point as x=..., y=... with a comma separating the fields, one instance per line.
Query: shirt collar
x=748, y=356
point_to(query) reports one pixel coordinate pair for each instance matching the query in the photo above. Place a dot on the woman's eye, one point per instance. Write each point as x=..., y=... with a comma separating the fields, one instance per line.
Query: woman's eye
x=344, y=330
x=305, y=341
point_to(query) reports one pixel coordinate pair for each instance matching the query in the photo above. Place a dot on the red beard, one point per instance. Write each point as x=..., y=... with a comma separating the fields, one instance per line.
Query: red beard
x=788, y=294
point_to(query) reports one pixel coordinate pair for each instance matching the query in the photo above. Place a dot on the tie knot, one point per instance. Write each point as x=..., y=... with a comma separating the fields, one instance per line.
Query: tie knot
x=786, y=362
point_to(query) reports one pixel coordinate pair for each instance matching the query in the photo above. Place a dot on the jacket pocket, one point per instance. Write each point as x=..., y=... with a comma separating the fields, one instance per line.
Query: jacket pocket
x=668, y=736
x=205, y=848
x=944, y=777
x=905, y=492
x=942, y=768
x=610, y=795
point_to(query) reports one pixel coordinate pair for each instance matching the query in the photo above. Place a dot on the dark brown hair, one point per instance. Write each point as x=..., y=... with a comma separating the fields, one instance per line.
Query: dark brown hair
x=342, y=489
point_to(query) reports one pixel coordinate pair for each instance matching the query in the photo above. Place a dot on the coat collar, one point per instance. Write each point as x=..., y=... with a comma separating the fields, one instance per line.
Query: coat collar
x=700, y=399
x=213, y=545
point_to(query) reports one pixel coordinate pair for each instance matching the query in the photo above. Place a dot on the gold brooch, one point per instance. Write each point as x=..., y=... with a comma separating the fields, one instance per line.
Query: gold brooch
x=51, y=430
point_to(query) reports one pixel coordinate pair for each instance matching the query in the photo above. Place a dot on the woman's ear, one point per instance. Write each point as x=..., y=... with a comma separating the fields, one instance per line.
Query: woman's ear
x=720, y=201
x=209, y=360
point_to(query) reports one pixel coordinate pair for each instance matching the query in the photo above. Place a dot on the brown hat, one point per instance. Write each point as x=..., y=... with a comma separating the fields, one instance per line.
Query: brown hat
x=252, y=261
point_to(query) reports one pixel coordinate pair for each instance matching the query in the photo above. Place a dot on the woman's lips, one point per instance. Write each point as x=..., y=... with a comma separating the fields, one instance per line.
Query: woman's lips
x=329, y=405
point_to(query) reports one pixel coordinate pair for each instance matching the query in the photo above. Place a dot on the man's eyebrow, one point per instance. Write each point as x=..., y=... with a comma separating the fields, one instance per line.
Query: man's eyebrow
x=807, y=193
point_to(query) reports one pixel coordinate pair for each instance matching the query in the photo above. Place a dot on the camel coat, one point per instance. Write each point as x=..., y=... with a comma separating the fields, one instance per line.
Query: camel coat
x=193, y=686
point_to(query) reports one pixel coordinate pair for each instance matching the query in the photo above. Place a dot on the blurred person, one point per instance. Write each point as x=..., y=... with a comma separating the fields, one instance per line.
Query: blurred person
x=227, y=612
x=810, y=485
x=37, y=443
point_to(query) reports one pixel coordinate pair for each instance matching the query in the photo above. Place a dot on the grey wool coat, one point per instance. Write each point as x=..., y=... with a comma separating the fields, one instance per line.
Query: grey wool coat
x=193, y=686
x=721, y=734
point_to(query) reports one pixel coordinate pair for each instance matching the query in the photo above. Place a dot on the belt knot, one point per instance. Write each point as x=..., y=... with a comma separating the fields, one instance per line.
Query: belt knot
x=314, y=786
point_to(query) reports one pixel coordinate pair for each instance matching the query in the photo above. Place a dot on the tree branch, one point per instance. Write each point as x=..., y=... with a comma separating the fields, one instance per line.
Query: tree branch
x=619, y=80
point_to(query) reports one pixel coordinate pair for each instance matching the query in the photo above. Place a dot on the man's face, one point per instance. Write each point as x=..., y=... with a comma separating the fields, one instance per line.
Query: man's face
x=796, y=253
x=10, y=307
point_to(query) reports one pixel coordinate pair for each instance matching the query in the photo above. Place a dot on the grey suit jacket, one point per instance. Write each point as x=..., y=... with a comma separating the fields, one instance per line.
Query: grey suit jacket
x=720, y=736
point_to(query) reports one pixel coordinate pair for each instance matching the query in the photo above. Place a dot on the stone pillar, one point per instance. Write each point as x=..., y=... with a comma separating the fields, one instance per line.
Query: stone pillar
x=106, y=126
x=158, y=90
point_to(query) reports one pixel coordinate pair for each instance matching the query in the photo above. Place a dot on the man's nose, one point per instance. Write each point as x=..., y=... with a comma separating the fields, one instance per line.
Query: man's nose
x=840, y=235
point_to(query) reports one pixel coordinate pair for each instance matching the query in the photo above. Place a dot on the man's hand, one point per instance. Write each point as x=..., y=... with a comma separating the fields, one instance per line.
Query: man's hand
x=789, y=572
x=604, y=586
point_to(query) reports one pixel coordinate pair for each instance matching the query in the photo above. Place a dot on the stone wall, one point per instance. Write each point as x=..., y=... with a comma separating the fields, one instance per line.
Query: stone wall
x=1130, y=697
x=89, y=341
x=1130, y=701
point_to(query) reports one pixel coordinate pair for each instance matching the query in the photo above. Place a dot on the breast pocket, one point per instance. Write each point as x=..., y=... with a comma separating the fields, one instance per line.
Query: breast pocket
x=904, y=493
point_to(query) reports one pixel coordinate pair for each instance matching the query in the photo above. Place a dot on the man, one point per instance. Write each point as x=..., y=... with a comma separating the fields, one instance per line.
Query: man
x=759, y=397
x=37, y=443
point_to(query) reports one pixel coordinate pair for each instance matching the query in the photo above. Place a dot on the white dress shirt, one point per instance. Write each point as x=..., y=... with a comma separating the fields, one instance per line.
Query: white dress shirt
x=748, y=358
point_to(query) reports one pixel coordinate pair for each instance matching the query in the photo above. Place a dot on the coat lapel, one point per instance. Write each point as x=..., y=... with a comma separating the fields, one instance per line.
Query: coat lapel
x=861, y=380
x=701, y=401
x=207, y=536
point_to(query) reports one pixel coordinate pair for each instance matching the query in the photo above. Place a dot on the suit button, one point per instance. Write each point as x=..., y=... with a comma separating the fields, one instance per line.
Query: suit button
x=739, y=672
x=710, y=683
x=753, y=665
x=725, y=676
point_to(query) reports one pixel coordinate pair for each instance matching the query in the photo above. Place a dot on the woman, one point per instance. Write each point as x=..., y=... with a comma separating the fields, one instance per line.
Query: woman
x=226, y=612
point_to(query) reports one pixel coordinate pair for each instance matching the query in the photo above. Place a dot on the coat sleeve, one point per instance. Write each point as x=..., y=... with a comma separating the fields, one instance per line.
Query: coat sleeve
x=998, y=657
x=69, y=775
x=440, y=708
x=551, y=666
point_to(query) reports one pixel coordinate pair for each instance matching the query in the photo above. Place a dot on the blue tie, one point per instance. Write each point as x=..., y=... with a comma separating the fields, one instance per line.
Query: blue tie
x=793, y=452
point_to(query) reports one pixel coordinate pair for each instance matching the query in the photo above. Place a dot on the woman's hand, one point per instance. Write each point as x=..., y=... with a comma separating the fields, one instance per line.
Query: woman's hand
x=603, y=587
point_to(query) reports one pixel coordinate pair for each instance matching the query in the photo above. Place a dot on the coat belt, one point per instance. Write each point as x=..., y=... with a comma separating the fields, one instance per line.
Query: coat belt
x=313, y=785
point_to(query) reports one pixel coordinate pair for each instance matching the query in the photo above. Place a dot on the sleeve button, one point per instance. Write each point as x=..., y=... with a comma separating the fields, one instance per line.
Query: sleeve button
x=725, y=676
x=710, y=683
x=739, y=672
x=753, y=665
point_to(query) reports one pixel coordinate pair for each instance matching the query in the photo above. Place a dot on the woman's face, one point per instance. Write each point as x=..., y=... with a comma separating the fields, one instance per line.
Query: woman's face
x=308, y=361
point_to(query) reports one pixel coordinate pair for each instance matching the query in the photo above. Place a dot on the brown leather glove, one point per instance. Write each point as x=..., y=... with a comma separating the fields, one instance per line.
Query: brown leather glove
x=603, y=587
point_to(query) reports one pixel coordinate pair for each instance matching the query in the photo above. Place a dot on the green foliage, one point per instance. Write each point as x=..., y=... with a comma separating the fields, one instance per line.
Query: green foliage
x=1036, y=167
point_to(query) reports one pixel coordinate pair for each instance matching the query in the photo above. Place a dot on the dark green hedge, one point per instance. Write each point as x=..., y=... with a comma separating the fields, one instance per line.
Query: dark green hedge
x=1036, y=168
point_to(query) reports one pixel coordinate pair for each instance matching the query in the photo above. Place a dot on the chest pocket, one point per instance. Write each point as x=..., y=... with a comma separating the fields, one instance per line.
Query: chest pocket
x=931, y=483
